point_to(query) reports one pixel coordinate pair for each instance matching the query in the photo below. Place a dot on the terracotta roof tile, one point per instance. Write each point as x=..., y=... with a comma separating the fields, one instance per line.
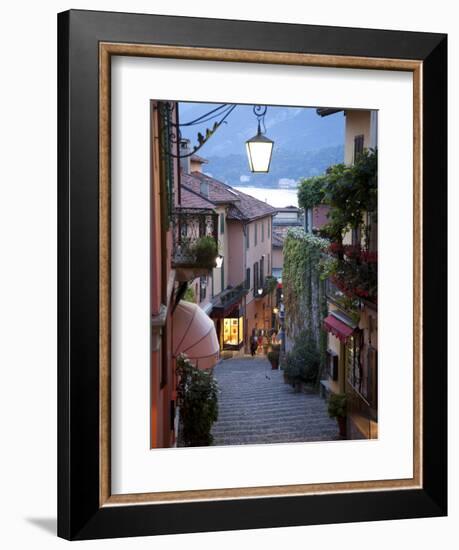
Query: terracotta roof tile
x=242, y=207
x=250, y=208
x=190, y=199
x=218, y=192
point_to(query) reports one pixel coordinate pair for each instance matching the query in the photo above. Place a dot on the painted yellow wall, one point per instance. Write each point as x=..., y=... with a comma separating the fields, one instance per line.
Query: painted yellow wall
x=357, y=123
x=334, y=344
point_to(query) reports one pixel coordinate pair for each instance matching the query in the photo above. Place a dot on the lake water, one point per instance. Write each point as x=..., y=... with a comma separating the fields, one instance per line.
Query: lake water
x=274, y=197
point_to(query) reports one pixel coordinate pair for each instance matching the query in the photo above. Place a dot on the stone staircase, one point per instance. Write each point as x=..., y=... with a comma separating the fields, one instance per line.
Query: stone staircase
x=256, y=406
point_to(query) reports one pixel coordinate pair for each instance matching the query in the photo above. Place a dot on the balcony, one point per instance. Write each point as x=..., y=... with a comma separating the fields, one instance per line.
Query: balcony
x=228, y=300
x=269, y=285
x=332, y=292
x=353, y=274
x=194, y=241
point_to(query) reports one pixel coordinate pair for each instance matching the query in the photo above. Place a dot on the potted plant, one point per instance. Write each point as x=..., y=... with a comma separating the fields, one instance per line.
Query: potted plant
x=205, y=251
x=283, y=366
x=273, y=356
x=292, y=372
x=337, y=405
x=270, y=284
x=303, y=362
x=197, y=398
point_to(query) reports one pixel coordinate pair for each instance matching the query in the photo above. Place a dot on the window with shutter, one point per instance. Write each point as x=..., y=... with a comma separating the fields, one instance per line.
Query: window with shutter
x=358, y=146
x=247, y=278
x=332, y=363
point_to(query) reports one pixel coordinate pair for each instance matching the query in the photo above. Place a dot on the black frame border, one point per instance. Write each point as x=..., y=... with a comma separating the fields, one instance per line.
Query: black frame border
x=79, y=514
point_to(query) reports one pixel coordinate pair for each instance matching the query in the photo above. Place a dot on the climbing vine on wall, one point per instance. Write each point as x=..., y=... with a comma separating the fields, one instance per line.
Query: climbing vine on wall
x=350, y=192
x=303, y=287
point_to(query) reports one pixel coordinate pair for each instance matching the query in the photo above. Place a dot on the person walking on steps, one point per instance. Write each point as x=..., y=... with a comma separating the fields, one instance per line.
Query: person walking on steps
x=253, y=344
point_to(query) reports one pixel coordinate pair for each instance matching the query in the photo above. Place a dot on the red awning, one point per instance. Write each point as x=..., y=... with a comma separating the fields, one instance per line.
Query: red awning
x=337, y=328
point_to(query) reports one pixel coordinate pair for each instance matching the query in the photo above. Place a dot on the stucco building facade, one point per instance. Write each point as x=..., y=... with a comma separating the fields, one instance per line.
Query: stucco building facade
x=235, y=294
x=352, y=365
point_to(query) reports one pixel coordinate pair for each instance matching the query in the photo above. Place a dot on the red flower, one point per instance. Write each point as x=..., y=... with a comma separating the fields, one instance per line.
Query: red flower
x=369, y=257
x=361, y=292
x=335, y=248
x=352, y=251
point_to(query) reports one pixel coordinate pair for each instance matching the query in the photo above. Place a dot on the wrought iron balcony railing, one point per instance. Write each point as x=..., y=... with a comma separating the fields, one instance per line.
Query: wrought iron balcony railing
x=194, y=238
x=227, y=299
x=333, y=293
x=268, y=286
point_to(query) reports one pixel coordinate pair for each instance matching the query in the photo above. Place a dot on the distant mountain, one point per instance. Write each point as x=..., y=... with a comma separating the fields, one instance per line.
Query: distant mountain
x=305, y=143
x=285, y=165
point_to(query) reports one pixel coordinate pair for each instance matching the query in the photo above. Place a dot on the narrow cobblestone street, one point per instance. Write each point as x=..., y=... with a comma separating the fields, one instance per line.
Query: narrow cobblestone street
x=256, y=406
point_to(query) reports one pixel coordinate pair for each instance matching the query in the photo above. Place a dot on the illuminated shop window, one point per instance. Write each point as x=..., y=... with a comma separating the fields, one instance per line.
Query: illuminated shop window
x=233, y=332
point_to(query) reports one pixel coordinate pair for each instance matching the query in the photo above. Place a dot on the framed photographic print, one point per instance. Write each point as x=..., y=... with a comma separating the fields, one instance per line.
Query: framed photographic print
x=252, y=275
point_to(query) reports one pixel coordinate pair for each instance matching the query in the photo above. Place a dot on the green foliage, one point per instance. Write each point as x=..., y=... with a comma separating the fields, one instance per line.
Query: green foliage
x=270, y=284
x=304, y=293
x=303, y=362
x=205, y=250
x=350, y=305
x=302, y=256
x=189, y=295
x=337, y=404
x=327, y=266
x=197, y=396
x=349, y=190
x=311, y=191
x=356, y=278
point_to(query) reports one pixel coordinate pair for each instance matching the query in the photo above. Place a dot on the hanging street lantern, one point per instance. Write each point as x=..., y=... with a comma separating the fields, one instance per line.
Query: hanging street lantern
x=260, y=147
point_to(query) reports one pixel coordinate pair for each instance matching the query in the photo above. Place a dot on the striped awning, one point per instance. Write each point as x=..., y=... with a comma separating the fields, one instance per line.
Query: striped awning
x=194, y=335
x=337, y=328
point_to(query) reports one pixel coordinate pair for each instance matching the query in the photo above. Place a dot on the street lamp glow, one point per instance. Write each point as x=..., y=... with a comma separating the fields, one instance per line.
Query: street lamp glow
x=259, y=152
x=219, y=261
x=260, y=291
